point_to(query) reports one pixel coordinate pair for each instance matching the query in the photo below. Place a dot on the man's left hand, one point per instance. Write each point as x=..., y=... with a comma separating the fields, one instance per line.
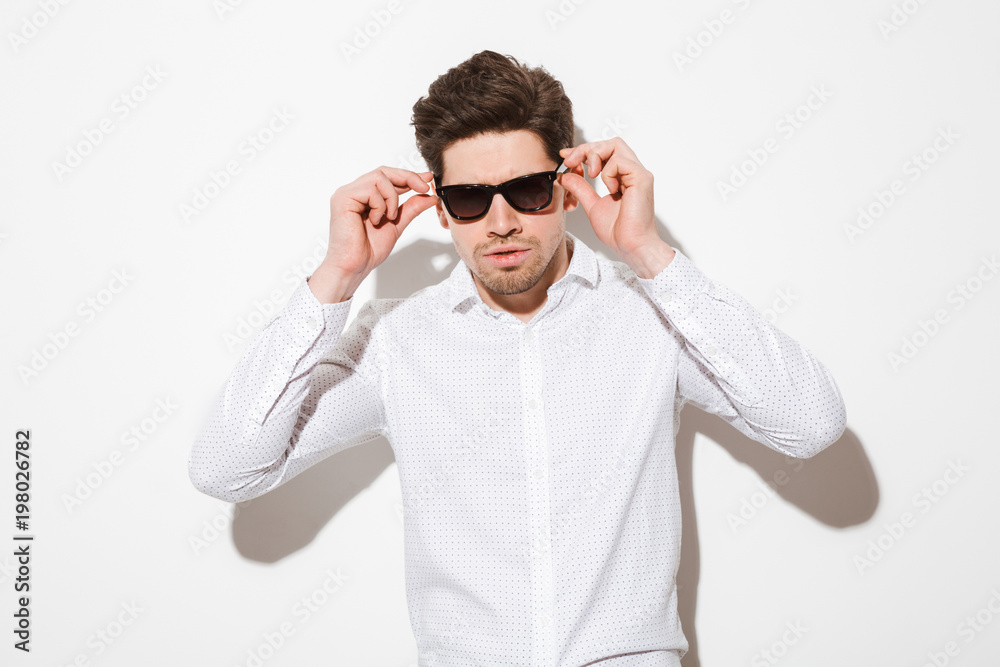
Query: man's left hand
x=624, y=219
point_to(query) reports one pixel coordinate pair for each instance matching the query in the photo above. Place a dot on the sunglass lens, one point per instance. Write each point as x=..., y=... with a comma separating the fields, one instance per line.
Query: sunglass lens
x=531, y=193
x=468, y=202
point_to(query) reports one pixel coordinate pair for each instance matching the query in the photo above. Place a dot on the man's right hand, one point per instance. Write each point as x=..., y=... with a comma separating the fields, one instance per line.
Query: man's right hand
x=366, y=220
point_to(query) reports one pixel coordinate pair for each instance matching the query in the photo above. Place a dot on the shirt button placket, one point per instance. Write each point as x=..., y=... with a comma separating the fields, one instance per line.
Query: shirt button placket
x=536, y=472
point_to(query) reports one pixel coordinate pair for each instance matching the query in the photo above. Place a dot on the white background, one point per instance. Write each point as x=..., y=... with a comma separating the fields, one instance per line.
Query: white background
x=141, y=535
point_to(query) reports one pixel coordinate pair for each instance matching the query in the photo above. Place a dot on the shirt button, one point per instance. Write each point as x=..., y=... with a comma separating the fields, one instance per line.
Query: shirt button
x=666, y=295
x=710, y=350
x=533, y=404
x=277, y=384
x=539, y=473
x=529, y=335
x=544, y=620
x=313, y=323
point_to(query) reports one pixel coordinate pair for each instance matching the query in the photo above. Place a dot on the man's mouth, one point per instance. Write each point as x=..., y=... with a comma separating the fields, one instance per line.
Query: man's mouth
x=507, y=249
x=507, y=257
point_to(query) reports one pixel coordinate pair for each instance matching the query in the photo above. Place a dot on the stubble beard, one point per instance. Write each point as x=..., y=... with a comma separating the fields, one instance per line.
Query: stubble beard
x=514, y=279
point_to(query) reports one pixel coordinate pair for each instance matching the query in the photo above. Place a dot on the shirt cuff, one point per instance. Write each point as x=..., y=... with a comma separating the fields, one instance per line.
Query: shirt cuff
x=303, y=332
x=706, y=314
x=675, y=288
x=310, y=322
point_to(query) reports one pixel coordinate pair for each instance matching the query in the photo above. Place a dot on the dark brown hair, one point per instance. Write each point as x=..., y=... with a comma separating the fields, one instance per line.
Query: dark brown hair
x=490, y=92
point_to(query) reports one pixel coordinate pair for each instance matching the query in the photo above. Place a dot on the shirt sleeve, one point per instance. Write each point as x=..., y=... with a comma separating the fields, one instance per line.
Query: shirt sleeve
x=736, y=364
x=301, y=391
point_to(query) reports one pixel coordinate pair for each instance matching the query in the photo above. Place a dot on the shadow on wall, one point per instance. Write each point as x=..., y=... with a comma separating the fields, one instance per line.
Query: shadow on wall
x=262, y=530
x=837, y=487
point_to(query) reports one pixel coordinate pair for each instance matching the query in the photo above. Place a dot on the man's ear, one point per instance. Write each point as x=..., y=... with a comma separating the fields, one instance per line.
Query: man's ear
x=570, y=201
x=442, y=218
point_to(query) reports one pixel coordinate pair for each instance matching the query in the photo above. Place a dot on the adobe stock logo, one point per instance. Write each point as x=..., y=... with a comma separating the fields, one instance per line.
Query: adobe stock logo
x=780, y=647
x=962, y=293
x=123, y=106
x=913, y=168
x=751, y=505
x=58, y=341
x=968, y=630
x=303, y=609
x=218, y=180
x=786, y=126
x=562, y=12
x=713, y=30
x=900, y=16
x=223, y=7
x=105, y=636
x=37, y=21
x=780, y=305
x=381, y=18
x=103, y=469
x=923, y=500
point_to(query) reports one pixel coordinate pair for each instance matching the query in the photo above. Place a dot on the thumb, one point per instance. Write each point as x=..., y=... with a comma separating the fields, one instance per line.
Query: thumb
x=413, y=207
x=581, y=189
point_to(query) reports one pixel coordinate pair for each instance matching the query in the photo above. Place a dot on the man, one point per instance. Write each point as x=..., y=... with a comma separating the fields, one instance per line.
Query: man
x=531, y=398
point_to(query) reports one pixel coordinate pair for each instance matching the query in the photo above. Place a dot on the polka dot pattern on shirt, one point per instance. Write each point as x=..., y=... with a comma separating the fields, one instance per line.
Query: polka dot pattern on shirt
x=542, y=518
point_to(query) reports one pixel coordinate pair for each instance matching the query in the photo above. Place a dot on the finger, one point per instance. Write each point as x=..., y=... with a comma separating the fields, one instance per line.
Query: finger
x=377, y=205
x=624, y=172
x=579, y=154
x=570, y=167
x=404, y=179
x=413, y=207
x=609, y=175
x=573, y=158
x=587, y=155
x=611, y=183
x=418, y=182
x=595, y=163
x=388, y=192
x=578, y=186
x=597, y=154
x=622, y=149
x=613, y=146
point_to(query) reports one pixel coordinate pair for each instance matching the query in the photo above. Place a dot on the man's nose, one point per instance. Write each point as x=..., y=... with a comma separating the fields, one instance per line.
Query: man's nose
x=501, y=218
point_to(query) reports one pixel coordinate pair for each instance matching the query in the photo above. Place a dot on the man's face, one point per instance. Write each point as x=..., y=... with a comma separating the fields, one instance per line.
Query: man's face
x=491, y=159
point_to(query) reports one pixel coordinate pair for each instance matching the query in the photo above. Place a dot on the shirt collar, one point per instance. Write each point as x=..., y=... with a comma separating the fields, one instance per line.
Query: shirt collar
x=582, y=266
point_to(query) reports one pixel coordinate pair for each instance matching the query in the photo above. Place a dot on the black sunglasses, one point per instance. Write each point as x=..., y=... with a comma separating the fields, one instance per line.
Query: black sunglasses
x=525, y=193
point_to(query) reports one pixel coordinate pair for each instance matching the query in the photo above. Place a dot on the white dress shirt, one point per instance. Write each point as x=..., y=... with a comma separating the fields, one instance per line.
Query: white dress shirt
x=542, y=520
